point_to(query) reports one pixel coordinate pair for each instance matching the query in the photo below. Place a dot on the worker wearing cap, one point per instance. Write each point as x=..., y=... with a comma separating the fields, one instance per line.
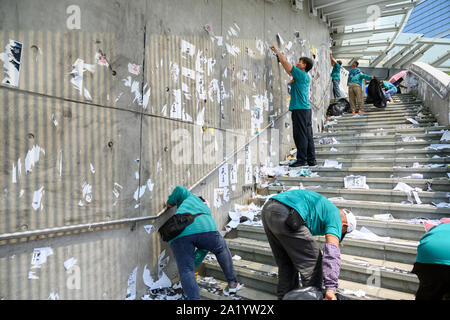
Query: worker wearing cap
x=290, y=220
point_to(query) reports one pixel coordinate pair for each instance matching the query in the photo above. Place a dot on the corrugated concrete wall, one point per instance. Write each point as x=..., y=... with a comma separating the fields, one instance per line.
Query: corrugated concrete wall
x=106, y=106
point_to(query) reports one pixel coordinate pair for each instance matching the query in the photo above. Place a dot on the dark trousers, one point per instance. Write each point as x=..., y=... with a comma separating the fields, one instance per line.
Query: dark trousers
x=294, y=251
x=434, y=281
x=303, y=135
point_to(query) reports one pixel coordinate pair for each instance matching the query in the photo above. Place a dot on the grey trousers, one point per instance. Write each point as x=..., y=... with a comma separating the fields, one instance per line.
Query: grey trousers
x=294, y=251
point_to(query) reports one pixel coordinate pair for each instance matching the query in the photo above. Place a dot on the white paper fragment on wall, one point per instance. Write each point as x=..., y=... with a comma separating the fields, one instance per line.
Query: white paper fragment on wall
x=219, y=41
x=79, y=67
x=12, y=62
x=248, y=174
x=70, y=263
x=53, y=296
x=139, y=192
x=149, y=228
x=188, y=73
x=232, y=49
x=201, y=117
x=200, y=86
x=162, y=282
x=92, y=168
x=174, y=71
x=87, y=192
x=223, y=176
x=32, y=276
x=233, y=174
x=134, y=68
x=146, y=97
x=187, y=48
x=218, y=196
x=40, y=256
x=37, y=199
x=55, y=123
x=175, y=110
x=32, y=157
x=131, y=289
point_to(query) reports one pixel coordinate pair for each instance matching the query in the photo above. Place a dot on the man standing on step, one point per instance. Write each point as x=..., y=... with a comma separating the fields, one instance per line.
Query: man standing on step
x=290, y=220
x=301, y=111
x=336, y=76
x=355, y=93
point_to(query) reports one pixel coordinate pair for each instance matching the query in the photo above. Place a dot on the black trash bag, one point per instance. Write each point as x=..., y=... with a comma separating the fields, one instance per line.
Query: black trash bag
x=375, y=95
x=338, y=108
x=306, y=293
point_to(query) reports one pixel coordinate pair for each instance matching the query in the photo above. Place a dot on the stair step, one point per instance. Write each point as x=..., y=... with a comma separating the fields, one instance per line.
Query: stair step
x=377, y=146
x=370, y=208
x=243, y=294
x=387, y=162
x=380, y=131
x=264, y=278
x=379, y=172
x=376, y=154
x=397, y=228
x=374, y=195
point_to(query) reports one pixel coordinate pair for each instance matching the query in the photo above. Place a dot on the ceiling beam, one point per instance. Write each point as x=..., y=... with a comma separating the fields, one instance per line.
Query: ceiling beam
x=441, y=59
x=399, y=54
x=362, y=34
x=411, y=53
x=416, y=56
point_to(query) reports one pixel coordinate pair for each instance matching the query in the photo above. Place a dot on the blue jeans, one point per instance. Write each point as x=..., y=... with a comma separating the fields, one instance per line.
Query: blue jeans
x=389, y=92
x=336, y=91
x=183, y=249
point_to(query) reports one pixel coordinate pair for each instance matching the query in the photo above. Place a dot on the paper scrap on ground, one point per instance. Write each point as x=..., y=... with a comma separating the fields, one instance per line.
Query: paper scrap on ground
x=438, y=146
x=332, y=164
x=246, y=215
x=409, y=191
x=445, y=136
x=131, y=289
x=355, y=182
x=365, y=234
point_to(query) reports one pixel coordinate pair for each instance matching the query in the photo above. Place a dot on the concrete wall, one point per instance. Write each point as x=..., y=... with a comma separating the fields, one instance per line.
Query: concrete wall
x=433, y=87
x=116, y=148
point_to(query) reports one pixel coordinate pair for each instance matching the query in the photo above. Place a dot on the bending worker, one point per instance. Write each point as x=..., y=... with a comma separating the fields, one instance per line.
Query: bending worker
x=202, y=235
x=290, y=220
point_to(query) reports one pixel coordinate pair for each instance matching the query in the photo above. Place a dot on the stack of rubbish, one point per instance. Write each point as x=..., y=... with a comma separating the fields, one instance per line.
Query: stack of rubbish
x=328, y=140
x=246, y=215
x=174, y=292
x=211, y=285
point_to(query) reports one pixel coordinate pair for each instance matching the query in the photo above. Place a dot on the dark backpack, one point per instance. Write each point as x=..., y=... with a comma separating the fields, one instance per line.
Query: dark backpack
x=176, y=224
x=375, y=94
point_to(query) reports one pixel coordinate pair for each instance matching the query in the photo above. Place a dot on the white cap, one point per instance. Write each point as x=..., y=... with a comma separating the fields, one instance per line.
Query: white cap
x=351, y=220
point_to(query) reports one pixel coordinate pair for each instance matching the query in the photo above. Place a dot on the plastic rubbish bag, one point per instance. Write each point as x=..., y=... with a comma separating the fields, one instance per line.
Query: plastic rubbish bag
x=306, y=293
x=338, y=108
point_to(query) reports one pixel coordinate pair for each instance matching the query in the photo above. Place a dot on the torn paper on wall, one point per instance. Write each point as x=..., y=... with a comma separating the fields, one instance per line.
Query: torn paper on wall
x=70, y=263
x=37, y=199
x=187, y=48
x=101, y=60
x=149, y=228
x=79, y=68
x=32, y=158
x=131, y=289
x=12, y=58
x=223, y=176
x=40, y=256
x=218, y=196
x=134, y=68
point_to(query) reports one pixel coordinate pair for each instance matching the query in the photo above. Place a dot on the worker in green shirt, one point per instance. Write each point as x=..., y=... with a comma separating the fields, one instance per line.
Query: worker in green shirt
x=355, y=94
x=389, y=89
x=432, y=265
x=290, y=220
x=196, y=240
x=300, y=110
x=336, y=76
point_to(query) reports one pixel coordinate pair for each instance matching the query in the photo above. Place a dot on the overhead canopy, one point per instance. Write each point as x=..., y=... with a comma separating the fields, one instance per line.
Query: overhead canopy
x=373, y=31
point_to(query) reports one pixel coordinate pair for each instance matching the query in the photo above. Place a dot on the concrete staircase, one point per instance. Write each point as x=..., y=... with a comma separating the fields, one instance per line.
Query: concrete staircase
x=396, y=153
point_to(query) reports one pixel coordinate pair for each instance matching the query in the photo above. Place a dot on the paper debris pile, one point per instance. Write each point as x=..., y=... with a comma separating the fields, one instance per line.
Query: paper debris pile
x=246, y=215
x=174, y=292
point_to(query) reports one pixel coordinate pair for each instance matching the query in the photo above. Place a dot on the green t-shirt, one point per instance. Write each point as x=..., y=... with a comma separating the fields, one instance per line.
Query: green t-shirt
x=299, y=90
x=434, y=246
x=187, y=202
x=359, y=78
x=336, y=72
x=388, y=86
x=320, y=214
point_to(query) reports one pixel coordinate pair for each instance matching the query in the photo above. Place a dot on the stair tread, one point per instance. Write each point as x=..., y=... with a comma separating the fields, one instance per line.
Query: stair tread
x=244, y=293
x=269, y=273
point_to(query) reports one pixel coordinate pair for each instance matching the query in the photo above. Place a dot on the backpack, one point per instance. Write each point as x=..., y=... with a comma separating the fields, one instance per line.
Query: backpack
x=176, y=224
x=375, y=94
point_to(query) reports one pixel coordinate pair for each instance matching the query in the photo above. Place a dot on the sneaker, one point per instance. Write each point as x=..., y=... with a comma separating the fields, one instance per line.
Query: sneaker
x=360, y=111
x=353, y=112
x=231, y=288
x=298, y=164
x=312, y=163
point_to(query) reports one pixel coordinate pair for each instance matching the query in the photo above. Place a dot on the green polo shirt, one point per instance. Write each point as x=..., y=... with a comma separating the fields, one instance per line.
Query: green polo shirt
x=187, y=202
x=320, y=214
x=336, y=72
x=299, y=90
x=358, y=79
x=434, y=246
x=388, y=86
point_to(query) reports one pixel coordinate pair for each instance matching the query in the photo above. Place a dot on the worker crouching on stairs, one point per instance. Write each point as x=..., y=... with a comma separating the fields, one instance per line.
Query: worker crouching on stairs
x=290, y=220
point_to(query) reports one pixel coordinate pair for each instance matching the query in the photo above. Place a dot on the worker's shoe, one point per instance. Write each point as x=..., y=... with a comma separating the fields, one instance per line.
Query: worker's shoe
x=298, y=164
x=312, y=163
x=231, y=288
x=360, y=111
